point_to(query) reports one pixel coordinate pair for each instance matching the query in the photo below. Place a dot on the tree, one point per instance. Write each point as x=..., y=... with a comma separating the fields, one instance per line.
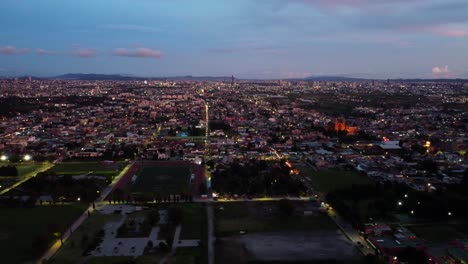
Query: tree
x=175, y=215
x=285, y=207
x=411, y=255
x=202, y=188
x=39, y=244
x=153, y=217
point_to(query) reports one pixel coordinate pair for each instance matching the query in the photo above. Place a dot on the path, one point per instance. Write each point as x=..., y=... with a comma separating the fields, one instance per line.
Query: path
x=174, y=245
x=211, y=237
x=27, y=177
x=57, y=244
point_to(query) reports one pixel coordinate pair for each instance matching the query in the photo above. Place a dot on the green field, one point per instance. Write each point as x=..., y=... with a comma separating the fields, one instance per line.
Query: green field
x=122, y=260
x=78, y=168
x=162, y=180
x=334, y=179
x=19, y=227
x=24, y=169
x=241, y=216
x=193, y=222
x=72, y=250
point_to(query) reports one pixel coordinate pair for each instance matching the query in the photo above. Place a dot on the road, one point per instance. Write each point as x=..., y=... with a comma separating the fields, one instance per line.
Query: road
x=351, y=233
x=211, y=236
x=27, y=177
x=57, y=244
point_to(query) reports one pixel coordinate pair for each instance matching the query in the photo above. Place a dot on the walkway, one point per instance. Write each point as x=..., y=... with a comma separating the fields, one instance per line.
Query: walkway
x=57, y=244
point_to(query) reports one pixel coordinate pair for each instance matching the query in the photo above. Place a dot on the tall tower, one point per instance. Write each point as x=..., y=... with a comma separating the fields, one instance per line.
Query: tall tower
x=232, y=80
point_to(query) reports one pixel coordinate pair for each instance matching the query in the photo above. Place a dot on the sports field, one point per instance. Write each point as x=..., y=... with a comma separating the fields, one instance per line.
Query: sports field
x=162, y=180
x=334, y=179
x=79, y=168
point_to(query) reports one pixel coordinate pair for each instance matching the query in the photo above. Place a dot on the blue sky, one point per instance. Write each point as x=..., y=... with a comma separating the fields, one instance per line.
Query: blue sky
x=246, y=38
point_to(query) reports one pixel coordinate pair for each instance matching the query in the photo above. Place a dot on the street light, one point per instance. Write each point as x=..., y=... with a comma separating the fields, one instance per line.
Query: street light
x=27, y=157
x=449, y=213
x=4, y=158
x=400, y=203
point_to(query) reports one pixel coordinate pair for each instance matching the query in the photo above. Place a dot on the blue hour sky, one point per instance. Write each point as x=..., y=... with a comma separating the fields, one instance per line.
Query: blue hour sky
x=246, y=38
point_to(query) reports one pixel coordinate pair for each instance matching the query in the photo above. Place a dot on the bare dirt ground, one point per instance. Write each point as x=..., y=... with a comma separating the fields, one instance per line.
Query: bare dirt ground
x=297, y=246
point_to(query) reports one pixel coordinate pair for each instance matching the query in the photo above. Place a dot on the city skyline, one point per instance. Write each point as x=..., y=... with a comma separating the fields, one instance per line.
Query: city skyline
x=249, y=38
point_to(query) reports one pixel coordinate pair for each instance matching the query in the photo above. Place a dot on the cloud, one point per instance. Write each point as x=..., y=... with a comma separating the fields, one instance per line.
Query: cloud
x=137, y=53
x=439, y=70
x=47, y=52
x=453, y=33
x=247, y=48
x=10, y=50
x=131, y=27
x=85, y=53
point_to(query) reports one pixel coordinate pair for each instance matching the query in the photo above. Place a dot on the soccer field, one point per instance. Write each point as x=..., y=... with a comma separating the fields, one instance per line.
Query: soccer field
x=163, y=180
x=78, y=168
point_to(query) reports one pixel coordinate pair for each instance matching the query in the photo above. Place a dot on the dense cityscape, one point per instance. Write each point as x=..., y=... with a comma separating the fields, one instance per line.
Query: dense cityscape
x=234, y=132
x=384, y=162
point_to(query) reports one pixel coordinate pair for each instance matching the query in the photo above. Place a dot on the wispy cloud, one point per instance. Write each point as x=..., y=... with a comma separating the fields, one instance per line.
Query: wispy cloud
x=138, y=53
x=447, y=32
x=85, y=52
x=11, y=50
x=131, y=27
x=270, y=50
x=47, y=52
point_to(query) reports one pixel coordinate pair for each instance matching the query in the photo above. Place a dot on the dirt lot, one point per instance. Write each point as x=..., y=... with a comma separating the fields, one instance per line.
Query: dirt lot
x=296, y=246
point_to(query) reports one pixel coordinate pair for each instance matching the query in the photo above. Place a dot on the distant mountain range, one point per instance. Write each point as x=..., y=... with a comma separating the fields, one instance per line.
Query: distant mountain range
x=120, y=77
x=96, y=77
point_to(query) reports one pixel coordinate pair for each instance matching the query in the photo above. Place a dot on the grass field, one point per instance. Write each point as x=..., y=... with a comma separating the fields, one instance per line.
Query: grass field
x=122, y=260
x=78, y=168
x=333, y=179
x=193, y=222
x=24, y=169
x=236, y=217
x=20, y=226
x=162, y=180
x=72, y=251
x=188, y=256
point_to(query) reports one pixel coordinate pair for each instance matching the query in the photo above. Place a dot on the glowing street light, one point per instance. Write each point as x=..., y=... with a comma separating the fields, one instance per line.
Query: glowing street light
x=4, y=158
x=406, y=196
x=27, y=157
x=449, y=213
x=400, y=203
x=412, y=211
x=78, y=199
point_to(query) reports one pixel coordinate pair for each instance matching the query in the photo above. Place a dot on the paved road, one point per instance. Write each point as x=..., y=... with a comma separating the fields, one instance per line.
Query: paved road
x=57, y=244
x=211, y=237
x=351, y=233
x=27, y=177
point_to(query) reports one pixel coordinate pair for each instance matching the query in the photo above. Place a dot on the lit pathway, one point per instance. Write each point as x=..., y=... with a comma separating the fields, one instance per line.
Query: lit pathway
x=57, y=244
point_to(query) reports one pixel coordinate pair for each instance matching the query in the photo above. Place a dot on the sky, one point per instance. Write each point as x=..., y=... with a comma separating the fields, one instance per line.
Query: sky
x=264, y=39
